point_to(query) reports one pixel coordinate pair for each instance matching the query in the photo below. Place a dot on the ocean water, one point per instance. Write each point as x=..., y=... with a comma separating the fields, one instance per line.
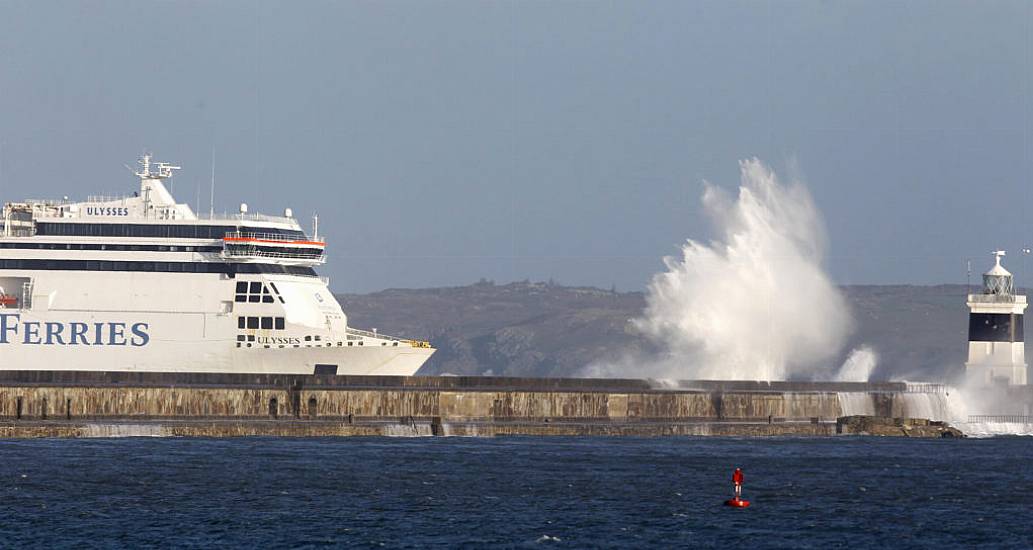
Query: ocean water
x=515, y=492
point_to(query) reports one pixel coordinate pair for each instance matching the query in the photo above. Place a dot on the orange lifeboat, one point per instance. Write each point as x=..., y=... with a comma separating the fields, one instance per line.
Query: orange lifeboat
x=6, y=300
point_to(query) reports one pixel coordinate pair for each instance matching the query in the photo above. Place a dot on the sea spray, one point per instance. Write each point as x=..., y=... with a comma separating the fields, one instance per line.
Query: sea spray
x=856, y=404
x=986, y=411
x=858, y=366
x=754, y=304
x=928, y=405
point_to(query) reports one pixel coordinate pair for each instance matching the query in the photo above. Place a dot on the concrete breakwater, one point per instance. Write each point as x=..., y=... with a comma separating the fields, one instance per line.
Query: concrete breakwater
x=73, y=404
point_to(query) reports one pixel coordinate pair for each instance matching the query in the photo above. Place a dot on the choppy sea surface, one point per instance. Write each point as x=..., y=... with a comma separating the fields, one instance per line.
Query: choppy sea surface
x=515, y=492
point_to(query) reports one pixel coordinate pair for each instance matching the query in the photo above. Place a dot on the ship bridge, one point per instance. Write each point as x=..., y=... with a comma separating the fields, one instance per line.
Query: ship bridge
x=259, y=246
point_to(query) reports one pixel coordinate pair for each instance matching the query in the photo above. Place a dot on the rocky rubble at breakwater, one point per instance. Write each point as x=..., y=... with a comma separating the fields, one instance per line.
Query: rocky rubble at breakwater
x=895, y=427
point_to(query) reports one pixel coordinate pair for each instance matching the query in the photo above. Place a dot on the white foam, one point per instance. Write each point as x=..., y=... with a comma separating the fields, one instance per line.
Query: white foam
x=859, y=365
x=856, y=404
x=928, y=405
x=755, y=304
x=124, y=430
x=994, y=429
x=406, y=430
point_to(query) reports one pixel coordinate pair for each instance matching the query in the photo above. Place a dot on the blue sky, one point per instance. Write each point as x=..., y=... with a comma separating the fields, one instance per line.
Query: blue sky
x=443, y=142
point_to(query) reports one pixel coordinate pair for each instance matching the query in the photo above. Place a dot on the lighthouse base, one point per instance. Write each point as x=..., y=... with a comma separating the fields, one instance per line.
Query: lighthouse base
x=989, y=375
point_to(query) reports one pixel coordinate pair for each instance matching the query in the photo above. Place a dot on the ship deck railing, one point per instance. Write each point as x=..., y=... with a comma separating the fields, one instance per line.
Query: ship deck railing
x=996, y=418
x=279, y=238
x=414, y=343
x=315, y=258
x=925, y=387
x=254, y=217
x=109, y=198
x=996, y=299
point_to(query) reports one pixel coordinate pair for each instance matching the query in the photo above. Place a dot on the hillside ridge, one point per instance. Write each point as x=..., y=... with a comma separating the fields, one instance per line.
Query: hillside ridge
x=546, y=329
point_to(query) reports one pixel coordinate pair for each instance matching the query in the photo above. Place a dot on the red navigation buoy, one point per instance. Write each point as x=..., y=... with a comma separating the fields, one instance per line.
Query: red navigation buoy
x=737, y=503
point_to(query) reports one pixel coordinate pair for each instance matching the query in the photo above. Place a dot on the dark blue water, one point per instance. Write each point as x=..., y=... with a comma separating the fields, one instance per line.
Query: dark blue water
x=516, y=492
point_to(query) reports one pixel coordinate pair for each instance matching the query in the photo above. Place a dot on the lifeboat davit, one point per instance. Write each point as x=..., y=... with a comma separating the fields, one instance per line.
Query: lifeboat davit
x=737, y=503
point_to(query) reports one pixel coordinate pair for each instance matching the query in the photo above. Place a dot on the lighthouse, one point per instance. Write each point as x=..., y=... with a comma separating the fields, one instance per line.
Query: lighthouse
x=996, y=347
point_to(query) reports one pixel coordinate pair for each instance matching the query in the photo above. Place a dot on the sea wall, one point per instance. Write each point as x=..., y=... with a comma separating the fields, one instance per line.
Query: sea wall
x=76, y=404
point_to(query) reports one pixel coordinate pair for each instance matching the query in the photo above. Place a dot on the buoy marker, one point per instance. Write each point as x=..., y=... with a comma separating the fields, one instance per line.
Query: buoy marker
x=737, y=501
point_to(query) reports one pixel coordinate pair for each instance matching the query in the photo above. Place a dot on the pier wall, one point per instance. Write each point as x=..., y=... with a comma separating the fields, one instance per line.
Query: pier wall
x=70, y=403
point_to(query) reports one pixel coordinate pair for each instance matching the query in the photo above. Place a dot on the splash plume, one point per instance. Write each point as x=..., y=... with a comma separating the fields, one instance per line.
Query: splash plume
x=755, y=303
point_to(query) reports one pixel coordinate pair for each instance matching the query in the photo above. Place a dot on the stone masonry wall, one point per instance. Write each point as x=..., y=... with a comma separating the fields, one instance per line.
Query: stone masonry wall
x=100, y=402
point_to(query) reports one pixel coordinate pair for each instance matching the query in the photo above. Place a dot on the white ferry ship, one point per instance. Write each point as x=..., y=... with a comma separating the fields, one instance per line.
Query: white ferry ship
x=143, y=283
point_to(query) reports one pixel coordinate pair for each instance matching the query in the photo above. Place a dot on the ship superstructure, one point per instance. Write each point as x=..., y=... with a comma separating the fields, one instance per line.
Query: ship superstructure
x=143, y=283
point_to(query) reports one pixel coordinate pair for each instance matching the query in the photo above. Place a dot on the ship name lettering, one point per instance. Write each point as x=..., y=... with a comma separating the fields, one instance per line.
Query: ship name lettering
x=277, y=340
x=106, y=211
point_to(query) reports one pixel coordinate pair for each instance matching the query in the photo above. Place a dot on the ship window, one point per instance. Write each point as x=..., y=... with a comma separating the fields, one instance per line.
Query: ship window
x=241, y=338
x=149, y=267
x=106, y=246
x=241, y=322
x=250, y=337
x=267, y=323
x=279, y=323
x=252, y=322
x=254, y=292
x=318, y=338
x=150, y=230
x=308, y=338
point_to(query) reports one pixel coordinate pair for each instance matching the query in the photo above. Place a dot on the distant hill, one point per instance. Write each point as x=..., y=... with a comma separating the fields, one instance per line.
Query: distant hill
x=542, y=329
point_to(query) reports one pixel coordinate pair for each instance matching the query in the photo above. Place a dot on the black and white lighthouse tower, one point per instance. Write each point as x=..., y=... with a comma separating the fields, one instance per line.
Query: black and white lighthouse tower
x=996, y=347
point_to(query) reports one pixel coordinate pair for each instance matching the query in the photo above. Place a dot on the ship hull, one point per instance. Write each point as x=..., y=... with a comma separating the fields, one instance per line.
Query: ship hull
x=151, y=322
x=385, y=361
